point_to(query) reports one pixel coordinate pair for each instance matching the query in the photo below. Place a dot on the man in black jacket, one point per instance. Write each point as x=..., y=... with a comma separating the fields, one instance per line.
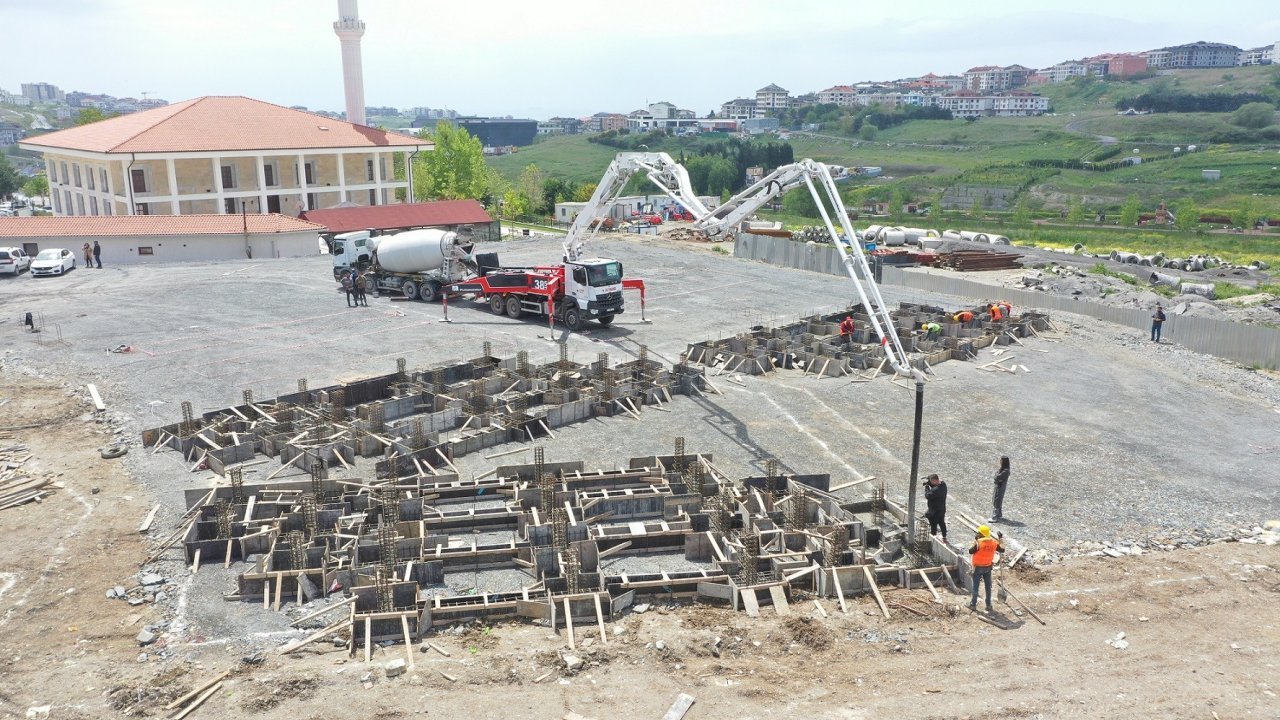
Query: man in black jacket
x=935, y=493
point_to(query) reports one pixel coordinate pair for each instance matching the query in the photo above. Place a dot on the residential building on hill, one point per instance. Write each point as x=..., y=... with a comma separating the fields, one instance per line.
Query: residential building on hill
x=1200, y=54
x=772, y=97
x=842, y=95
x=993, y=78
x=222, y=155
x=741, y=109
x=1265, y=55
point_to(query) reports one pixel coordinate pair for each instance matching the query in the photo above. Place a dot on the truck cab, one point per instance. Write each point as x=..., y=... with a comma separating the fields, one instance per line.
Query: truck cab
x=351, y=250
x=595, y=284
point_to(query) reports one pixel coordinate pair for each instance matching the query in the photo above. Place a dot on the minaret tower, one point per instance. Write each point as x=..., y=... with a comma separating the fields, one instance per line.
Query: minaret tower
x=349, y=30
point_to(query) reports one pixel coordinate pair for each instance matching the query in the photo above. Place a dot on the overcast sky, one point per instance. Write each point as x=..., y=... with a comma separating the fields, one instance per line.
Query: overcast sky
x=539, y=58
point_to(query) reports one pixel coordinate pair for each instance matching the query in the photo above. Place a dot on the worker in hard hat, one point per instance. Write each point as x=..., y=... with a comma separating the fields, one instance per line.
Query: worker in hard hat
x=847, y=328
x=984, y=551
x=964, y=317
x=931, y=330
x=994, y=311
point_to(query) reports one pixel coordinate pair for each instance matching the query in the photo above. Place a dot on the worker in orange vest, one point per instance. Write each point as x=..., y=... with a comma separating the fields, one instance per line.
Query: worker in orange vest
x=964, y=317
x=984, y=551
x=846, y=327
x=994, y=310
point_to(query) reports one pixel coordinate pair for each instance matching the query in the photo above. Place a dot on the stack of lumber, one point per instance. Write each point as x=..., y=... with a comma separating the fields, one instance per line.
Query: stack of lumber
x=16, y=487
x=971, y=260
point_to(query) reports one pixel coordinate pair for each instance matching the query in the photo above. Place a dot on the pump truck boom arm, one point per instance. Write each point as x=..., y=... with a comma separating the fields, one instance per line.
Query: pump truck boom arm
x=667, y=174
x=814, y=175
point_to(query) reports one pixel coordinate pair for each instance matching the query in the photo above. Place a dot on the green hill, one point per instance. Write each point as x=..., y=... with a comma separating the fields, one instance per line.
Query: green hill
x=569, y=157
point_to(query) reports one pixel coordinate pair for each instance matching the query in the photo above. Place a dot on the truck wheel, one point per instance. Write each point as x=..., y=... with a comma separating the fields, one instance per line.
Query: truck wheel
x=429, y=292
x=573, y=318
x=605, y=320
x=497, y=304
x=410, y=290
x=513, y=306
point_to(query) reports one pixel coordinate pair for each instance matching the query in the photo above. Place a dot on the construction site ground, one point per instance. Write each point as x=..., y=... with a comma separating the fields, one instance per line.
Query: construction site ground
x=1112, y=439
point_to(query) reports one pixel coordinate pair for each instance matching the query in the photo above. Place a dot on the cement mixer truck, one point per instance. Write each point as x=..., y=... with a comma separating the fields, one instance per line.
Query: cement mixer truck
x=415, y=263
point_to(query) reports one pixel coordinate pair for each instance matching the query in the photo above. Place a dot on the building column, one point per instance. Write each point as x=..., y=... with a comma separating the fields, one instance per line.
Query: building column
x=217, y=184
x=171, y=171
x=342, y=177
x=129, y=201
x=377, y=176
x=262, y=182
x=408, y=176
x=302, y=182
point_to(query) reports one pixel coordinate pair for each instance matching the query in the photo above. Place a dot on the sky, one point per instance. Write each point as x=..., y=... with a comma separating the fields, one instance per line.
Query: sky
x=543, y=58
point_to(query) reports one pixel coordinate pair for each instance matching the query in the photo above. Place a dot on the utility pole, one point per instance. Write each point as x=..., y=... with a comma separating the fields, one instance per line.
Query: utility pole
x=915, y=463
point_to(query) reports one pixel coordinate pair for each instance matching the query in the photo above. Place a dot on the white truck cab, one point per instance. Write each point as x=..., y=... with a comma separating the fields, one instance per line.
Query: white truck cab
x=351, y=249
x=595, y=284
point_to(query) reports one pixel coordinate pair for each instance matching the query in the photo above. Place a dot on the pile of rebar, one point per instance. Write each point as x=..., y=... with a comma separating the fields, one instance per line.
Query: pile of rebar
x=976, y=260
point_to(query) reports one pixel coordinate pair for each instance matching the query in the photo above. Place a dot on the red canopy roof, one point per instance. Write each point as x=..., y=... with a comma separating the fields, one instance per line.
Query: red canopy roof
x=404, y=215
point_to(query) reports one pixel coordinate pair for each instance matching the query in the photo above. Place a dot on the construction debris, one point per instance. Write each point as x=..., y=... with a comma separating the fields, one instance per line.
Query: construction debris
x=16, y=486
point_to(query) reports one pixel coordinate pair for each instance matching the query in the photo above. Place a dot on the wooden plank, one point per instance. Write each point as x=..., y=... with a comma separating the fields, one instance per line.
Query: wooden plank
x=439, y=649
x=875, y=589
x=368, y=638
x=679, y=707
x=950, y=581
x=151, y=516
x=299, y=644
x=928, y=583
x=851, y=483
x=97, y=399
x=408, y=641
x=318, y=613
x=821, y=609
x=279, y=590
x=604, y=637
x=203, y=686
x=839, y=591
x=198, y=701
x=568, y=622
x=749, y=602
x=779, y=600
x=195, y=562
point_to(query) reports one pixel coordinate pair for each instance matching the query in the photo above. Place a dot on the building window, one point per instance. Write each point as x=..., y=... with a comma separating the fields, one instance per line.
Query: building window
x=382, y=168
x=102, y=174
x=75, y=171
x=107, y=208
x=57, y=204
x=66, y=200
x=145, y=250
x=228, y=177
x=64, y=173
x=79, y=204
x=138, y=177
x=368, y=164
x=313, y=201
x=373, y=197
x=269, y=174
x=93, y=204
x=309, y=172
x=142, y=209
x=51, y=172
x=229, y=206
x=88, y=178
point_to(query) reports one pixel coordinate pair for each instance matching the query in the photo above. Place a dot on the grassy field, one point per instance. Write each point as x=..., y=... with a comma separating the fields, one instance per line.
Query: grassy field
x=1171, y=129
x=570, y=157
x=1086, y=94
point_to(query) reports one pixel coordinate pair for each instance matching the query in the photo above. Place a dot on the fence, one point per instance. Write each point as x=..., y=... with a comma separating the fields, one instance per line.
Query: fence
x=1253, y=345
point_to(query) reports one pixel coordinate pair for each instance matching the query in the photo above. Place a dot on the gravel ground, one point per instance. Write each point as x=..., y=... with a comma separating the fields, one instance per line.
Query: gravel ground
x=1111, y=437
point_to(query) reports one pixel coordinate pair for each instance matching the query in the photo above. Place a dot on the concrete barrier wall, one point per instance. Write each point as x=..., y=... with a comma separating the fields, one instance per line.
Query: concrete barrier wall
x=1252, y=345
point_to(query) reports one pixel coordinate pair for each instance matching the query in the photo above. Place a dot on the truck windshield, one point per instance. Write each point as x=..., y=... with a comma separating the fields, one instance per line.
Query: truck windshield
x=606, y=274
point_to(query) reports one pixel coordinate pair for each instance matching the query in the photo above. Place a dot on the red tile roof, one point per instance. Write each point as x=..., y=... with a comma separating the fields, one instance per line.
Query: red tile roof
x=404, y=215
x=150, y=225
x=218, y=123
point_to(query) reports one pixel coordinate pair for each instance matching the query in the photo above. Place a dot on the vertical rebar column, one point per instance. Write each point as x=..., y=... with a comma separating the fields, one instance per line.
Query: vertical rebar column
x=419, y=438
x=387, y=550
x=310, y=519
x=236, y=475
x=317, y=475
x=248, y=397
x=437, y=381
x=522, y=364
x=401, y=369
x=486, y=349
x=390, y=501
x=677, y=464
x=302, y=388
x=572, y=570
x=833, y=549
x=795, y=516
x=749, y=572
x=877, y=504
x=771, y=478
x=382, y=590
x=188, y=419
x=602, y=362
x=559, y=528
x=297, y=550
x=224, y=514
x=377, y=417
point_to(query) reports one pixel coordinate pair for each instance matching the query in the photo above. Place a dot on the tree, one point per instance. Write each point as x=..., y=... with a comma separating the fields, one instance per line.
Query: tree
x=1130, y=211
x=1022, y=212
x=584, y=192
x=1187, y=216
x=868, y=132
x=1244, y=212
x=37, y=186
x=800, y=202
x=1254, y=115
x=92, y=115
x=1075, y=211
x=9, y=179
x=454, y=170
x=530, y=187
x=555, y=190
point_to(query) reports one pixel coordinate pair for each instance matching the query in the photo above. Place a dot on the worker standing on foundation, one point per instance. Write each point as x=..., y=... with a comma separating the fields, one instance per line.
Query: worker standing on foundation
x=846, y=328
x=984, y=551
x=935, y=494
x=997, y=496
x=932, y=330
x=964, y=317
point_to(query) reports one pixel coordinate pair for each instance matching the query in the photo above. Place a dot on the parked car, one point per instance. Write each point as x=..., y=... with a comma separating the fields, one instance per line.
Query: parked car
x=14, y=261
x=55, y=261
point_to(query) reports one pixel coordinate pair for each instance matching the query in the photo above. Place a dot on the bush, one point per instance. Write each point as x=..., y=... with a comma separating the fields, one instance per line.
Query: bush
x=1255, y=115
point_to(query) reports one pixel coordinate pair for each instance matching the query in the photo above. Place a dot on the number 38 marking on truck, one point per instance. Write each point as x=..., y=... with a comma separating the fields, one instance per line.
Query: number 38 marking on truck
x=539, y=284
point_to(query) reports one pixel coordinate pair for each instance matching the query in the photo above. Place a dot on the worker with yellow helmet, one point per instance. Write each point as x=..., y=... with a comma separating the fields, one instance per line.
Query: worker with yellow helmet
x=984, y=551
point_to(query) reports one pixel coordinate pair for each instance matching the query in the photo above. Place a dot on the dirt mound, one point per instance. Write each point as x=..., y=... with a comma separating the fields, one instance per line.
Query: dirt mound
x=1030, y=574
x=809, y=632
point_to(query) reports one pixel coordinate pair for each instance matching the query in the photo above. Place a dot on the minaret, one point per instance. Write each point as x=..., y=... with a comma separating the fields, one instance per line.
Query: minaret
x=350, y=29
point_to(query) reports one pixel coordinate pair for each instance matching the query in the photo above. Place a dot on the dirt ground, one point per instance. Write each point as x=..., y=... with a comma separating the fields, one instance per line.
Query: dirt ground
x=1201, y=629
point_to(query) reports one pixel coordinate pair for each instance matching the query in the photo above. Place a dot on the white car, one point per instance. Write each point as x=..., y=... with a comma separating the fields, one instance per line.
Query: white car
x=53, y=262
x=14, y=261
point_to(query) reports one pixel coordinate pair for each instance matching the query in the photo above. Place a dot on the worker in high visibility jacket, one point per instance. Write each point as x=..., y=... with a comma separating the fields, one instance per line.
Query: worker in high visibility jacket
x=846, y=328
x=984, y=551
x=932, y=330
x=994, y=310
x=964, y=317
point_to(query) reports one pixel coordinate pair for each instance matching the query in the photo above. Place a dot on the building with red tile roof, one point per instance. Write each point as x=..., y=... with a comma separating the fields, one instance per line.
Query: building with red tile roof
x=447, y=214
x=222, y=155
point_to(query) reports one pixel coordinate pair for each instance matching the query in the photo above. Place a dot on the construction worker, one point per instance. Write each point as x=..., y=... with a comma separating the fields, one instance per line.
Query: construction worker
x=997, y=496
x=984, y=551
x=1006, y=310
x=964, y=317
x=994, y=311
x=935, y=494
x=931, y=330
x=349, y=286
x=1157, y=322
x=360, y=284
x=846, y=328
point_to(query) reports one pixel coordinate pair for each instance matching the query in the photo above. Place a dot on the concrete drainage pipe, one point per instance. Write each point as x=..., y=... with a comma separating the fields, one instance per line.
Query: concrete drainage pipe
x=1201, y=289
x=1164, y=280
